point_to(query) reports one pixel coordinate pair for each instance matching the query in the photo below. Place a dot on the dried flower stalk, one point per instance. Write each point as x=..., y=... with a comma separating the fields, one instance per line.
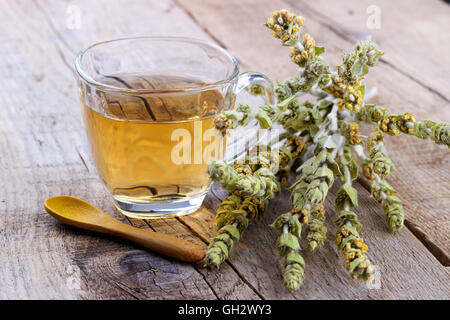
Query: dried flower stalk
x=325, y=135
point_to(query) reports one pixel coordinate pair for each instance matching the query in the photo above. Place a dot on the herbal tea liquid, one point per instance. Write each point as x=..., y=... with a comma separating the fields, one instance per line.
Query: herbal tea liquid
x=155, y=146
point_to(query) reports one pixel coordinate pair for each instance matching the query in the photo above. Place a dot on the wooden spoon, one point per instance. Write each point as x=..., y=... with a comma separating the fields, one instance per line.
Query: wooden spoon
x=81, y=214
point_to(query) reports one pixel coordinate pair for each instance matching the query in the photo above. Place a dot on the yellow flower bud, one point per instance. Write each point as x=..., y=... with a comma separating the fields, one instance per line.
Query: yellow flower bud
x=291, y=51
x=347, y=265
x=305, y=55
x=298, y=59
x=364, y=248
x=358, y=242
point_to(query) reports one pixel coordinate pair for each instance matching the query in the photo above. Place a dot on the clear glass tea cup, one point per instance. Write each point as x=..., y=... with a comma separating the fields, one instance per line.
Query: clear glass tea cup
x=149, y=105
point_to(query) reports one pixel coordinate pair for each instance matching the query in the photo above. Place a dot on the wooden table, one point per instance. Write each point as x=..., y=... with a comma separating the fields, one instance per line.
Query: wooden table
x=44, y=153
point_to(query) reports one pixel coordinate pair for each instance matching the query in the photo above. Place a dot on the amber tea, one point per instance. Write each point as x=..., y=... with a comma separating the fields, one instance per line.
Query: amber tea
x=155, y=147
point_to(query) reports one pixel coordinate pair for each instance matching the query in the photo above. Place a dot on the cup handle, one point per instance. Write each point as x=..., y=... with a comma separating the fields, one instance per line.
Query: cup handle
x=242, y=138
x=247, y=79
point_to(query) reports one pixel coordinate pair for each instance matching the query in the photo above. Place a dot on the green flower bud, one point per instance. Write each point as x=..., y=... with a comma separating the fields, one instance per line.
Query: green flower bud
x=316, y=228
x=355, y=65
x=371, y=113
x=352, y=247
x=440, y=134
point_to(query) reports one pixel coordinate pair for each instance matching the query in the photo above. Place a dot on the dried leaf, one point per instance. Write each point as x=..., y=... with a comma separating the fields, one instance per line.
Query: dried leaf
x=318, y=50
x=232, y=231
x=288, y=240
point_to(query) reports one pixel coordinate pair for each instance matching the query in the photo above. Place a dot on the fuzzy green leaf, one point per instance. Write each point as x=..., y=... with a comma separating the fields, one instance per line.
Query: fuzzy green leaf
x=327, y=142
x=346, y=193
x=353, y=170
x=290, y=42
x=318, y=50
x=357, y=67
x=283, y=104
x=354, y=264
x=224, y=248
x=346, y=217
x=280, y=221
x=362, y=89
x=288, y=240
x=232, y=231
x=264, y=119
x=295, y=227
x=324, y=172
x=294, y=257
x=333, y=164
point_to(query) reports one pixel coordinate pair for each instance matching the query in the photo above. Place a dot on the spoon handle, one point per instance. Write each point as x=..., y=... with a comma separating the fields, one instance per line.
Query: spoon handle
x=159, y=242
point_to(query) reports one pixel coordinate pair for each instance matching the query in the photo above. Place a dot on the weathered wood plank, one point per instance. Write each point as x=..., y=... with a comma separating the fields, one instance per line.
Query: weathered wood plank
x=422, y=168
x=44, y=153
x=410, y=32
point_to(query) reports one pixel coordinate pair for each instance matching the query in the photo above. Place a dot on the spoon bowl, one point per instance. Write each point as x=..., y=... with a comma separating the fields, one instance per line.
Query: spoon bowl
x=72, y=208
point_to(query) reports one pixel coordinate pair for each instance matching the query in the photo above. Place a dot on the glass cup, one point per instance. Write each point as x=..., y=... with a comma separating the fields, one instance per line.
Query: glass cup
x=149, y=105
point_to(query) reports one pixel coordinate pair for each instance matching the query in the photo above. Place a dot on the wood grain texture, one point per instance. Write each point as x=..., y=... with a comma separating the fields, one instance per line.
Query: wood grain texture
x=43, y=153
x=410, y=33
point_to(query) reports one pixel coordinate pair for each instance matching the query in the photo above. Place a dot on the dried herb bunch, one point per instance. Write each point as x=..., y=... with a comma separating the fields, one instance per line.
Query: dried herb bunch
x=323, y=136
